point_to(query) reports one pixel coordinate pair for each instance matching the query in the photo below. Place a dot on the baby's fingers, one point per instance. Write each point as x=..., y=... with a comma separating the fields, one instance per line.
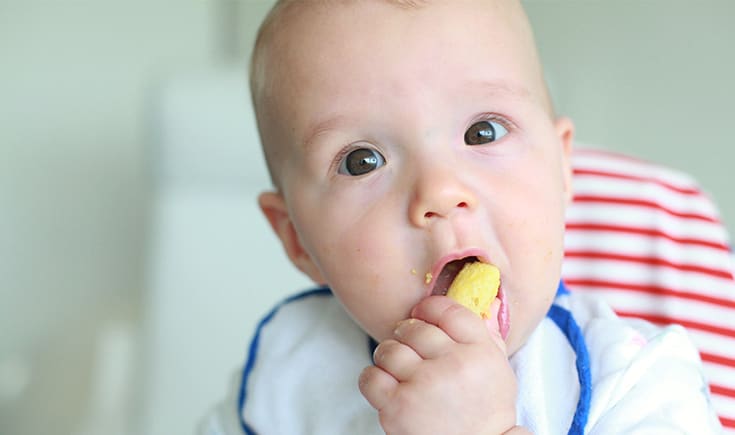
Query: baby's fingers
x=397, y=359
x=425, y=339
x=458, y=322
x=377, y=386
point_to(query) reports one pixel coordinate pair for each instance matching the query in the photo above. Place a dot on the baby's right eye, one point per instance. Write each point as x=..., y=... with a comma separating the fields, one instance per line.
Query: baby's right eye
x=361, y=161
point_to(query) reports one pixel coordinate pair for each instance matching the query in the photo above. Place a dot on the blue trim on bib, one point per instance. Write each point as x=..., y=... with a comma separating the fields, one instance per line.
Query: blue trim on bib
x=253, y=350
x=562, y=290
x=560, y=316
x=565, y=321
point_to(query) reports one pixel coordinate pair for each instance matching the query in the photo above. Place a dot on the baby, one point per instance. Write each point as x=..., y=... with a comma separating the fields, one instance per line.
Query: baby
x=404, y=139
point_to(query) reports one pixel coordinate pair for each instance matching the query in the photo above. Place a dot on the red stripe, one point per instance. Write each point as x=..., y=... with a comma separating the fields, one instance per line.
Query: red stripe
x=717, y=359
x=722, y=391
x=668, y=320
x=652, y=261
x=577, y=226
x=653, y=290
x=642, y=203
x=727, y=422
x=620, y=176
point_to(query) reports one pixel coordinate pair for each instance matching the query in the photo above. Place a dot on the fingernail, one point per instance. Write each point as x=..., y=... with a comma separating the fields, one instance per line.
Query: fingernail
x=399, y=326
x=397, y=329
x=376, y=355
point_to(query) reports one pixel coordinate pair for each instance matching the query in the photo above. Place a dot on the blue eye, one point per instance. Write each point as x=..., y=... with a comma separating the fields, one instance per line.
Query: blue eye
x=483, y=132
x=361, y=161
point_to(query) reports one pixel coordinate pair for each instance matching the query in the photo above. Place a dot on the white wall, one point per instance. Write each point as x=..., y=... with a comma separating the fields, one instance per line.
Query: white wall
x=75, y=81
x=651, y=78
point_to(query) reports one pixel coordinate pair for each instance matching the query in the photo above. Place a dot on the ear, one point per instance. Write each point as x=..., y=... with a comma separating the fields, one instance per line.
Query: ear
x=274, y=208
x=565, y=131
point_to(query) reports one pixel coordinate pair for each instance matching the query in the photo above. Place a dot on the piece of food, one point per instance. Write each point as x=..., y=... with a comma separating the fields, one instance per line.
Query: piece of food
x=476, y=287
x=428, y=277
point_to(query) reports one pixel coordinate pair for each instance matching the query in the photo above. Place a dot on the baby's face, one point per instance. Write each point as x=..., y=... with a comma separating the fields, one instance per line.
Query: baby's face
x=409, y=138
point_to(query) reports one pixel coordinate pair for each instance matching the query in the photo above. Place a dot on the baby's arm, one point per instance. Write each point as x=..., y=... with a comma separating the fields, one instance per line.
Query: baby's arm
x=445, y=370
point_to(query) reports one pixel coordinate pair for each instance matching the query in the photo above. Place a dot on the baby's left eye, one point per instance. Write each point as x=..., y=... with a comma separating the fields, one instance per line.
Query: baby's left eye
x=483, y=132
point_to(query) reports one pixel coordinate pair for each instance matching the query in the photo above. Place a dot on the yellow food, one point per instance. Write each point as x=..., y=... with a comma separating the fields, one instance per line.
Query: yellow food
x=476, y=287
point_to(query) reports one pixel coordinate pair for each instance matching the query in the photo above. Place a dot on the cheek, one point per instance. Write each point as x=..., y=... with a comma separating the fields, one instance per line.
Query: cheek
x=349, y=242
x=532, y=237
x=361, y=252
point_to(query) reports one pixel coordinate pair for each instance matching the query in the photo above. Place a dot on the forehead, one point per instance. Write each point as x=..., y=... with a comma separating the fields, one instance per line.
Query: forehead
x=323, y=44
x=324, y=57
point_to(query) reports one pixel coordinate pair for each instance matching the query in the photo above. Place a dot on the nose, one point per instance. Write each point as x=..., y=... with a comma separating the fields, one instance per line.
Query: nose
x=439, y=191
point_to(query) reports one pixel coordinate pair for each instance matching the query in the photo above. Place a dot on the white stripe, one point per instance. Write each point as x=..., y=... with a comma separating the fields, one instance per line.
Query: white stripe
x=694, y=311
x=713, y=343
x=642, y=274
x=630, y=189
x=632, y=167
x=661, y=300
x=636, y=245
x=719, y=375
x=638, y=217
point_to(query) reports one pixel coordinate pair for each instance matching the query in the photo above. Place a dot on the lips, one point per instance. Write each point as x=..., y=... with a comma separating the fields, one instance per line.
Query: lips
x=503, y=314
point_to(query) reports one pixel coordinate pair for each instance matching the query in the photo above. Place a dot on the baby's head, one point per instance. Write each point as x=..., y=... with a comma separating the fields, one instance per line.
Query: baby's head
x=403, y=135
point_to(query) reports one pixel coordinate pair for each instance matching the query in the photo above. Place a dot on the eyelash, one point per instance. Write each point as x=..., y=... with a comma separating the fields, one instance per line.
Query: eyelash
x=489, y=116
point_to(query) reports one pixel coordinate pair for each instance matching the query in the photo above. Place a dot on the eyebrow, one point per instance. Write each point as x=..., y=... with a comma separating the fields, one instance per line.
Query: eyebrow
x=501, y=87
x=319, y=129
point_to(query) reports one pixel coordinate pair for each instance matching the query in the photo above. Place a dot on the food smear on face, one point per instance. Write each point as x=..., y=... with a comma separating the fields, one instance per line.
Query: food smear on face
x=476, y=287
x=428, y=277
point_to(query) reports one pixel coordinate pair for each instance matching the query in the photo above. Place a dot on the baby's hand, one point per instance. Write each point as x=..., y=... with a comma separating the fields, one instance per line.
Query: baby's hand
x=444, y=371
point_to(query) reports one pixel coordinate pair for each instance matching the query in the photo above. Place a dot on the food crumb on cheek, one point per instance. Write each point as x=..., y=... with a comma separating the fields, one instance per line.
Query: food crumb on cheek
x=413, y=271
x=428, y=277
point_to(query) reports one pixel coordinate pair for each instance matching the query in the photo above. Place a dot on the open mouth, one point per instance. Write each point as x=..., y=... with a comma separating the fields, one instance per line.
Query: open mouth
x=448, y=273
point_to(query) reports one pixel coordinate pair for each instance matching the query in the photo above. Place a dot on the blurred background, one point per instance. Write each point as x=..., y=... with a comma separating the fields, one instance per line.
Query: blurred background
x=133, y=262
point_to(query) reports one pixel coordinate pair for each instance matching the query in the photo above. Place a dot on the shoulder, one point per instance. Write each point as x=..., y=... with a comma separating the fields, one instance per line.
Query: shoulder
x=301, y=371
x=615, y=344
x=299, y=322
x=604, y=330
x=642, y=374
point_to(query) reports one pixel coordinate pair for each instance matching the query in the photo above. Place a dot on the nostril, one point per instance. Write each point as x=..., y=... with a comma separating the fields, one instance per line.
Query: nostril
x=431, y=214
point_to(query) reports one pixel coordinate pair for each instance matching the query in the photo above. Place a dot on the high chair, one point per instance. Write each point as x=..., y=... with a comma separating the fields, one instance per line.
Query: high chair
x=647, y=240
